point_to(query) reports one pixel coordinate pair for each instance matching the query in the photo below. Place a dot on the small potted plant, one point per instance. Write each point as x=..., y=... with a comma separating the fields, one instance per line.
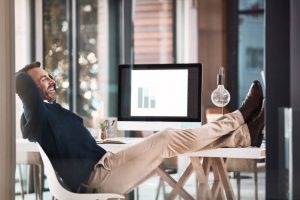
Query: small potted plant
x=104, y=126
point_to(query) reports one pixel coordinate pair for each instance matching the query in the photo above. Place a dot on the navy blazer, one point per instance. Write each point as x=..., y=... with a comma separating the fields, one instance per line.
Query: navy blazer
x=70, y=147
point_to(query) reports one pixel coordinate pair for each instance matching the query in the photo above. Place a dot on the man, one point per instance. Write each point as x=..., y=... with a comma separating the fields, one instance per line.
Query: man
x=81, y=163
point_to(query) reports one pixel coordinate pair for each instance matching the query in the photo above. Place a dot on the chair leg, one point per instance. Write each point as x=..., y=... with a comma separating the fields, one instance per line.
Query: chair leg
x=255, y=185
x=238, y=181
x=21, y=181
x=41, y=181
x=158, y=188
x=164, y=189
x=28, y=178
x=137, y=193
x=35, y=188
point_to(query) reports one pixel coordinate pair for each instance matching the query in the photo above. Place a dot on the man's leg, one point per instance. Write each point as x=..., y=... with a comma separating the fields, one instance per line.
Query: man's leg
x=120, y=172
x=234, y=139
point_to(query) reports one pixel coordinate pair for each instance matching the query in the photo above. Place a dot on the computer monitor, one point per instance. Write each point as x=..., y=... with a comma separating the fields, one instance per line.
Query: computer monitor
x=157, y=96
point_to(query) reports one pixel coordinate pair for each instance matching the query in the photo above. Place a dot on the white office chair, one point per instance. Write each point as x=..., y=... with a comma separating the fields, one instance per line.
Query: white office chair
x=59, y=192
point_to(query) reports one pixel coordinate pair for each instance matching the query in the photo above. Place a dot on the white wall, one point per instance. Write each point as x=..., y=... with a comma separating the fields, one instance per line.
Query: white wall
x=212, y=45
x=22, y=48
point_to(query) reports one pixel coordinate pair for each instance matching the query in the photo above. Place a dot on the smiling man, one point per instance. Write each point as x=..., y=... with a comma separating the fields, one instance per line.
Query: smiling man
x=85, y=166
x=61, y=133
x=44, y=82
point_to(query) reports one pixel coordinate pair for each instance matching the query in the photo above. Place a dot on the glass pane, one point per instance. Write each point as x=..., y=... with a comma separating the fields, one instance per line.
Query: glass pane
x=92, y=59
x=153, y=31
x=55, y=46
x=250, y=51
x=251, y=4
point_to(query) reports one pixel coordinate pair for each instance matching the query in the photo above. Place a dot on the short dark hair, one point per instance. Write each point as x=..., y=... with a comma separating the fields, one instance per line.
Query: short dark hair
x=35, y=65
x=31, y=66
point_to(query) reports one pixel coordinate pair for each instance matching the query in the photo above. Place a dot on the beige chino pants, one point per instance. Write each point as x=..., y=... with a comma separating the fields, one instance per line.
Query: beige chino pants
x=121, y=172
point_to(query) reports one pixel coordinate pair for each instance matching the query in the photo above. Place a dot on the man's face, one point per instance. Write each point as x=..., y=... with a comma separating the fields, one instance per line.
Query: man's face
x=44, y=83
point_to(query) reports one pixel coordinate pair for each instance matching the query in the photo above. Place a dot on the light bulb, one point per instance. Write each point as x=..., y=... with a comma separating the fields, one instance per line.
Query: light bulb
x=220, y=96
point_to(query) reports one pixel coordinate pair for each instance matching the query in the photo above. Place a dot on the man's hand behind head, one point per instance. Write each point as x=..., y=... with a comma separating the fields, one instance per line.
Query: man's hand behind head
x=43, y=80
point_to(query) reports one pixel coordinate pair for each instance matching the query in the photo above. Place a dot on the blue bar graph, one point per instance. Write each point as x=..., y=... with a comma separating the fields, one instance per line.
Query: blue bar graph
x=140, y=97
x=144, y=99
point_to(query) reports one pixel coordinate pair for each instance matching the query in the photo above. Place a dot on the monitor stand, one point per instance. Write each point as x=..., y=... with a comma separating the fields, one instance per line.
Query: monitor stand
x=154, y=126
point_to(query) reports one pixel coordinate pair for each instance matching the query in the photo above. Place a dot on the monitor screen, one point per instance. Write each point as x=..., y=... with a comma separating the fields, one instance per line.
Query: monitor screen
x=157, y=96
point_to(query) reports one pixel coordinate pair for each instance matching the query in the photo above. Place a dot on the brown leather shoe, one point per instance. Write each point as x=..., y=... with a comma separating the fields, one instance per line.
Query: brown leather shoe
x=253, y=102
x=255, y=128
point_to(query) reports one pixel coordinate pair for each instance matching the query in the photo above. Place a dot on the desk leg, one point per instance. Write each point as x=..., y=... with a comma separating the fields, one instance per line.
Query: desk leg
x=203, y=191
x=186, y=174
x=179, y=189
x=219, y=163
x=217, y=188
x=206, y=163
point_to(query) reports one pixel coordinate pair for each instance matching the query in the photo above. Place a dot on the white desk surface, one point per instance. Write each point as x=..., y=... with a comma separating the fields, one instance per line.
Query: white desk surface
x=245, y=153
x=23, y=145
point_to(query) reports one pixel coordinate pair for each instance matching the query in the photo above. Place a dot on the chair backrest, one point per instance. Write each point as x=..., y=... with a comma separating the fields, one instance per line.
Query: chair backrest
x=59, y=192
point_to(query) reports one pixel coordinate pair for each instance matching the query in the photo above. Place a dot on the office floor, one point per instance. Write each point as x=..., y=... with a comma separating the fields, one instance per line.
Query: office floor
x=148, y=190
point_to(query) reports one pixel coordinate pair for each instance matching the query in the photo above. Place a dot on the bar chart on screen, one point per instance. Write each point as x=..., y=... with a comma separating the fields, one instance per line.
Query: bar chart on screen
x=146, y=98
x=159, y=92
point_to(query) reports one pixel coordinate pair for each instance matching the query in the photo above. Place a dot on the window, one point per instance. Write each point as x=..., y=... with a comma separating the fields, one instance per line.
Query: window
x=250, y=44
x=254, y=58
x=75, y=52
x=56, y=48
x=246, y=46
x=78, y=42
x=153, y=31
x=91, y=58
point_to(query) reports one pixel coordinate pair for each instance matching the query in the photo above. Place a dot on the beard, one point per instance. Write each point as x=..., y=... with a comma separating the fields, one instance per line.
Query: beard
x=50, y=94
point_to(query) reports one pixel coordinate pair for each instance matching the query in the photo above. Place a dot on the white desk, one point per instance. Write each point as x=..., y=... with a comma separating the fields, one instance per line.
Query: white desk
x=114, y=148
x=24, y=146
x=201, y=163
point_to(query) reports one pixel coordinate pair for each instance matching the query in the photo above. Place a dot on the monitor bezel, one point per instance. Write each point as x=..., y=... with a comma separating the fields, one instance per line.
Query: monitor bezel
x=156, y=67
